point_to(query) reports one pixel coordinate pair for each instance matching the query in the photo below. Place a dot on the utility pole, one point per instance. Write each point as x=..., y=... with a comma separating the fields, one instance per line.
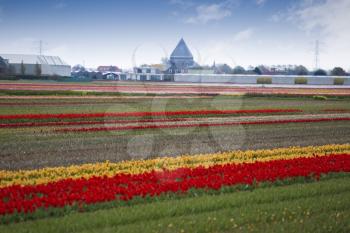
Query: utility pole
x=40, y=47
x=317, y=54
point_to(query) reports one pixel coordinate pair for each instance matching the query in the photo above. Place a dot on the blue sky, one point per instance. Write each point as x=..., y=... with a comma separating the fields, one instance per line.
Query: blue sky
x=128, y=33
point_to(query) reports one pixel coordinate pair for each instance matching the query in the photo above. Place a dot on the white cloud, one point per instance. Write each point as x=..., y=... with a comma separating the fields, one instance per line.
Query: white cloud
x=277, y=17
x=182, y=3
x=60, y=5
x=211, y=12
x=327, y=21
x=260, y=2
x=243, y=35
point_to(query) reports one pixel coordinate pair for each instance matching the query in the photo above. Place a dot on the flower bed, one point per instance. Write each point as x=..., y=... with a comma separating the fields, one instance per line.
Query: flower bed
x=47, y=175
x=40, y=124
x=144, y=114
x=336, y=110
x=124, y=187
x=159, y=126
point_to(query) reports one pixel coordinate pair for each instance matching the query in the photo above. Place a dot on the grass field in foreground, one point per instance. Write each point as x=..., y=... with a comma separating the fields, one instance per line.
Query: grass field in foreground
x=310, y=207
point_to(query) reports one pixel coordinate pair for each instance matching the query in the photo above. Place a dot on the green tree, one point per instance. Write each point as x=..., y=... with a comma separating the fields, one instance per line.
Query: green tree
x=224, y=69
x=257, y=71
x=264, y=69
x=238, y=70
x=23, y=68
x=338, y=71
x=301, y=70
x=320, y=72
x=38, y=69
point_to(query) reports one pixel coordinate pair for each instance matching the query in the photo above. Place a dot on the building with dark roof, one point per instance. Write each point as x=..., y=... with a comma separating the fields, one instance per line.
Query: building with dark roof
x=181, y=59
x=103, y=69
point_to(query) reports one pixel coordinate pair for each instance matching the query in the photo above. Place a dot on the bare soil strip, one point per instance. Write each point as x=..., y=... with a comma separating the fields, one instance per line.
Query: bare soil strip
x=26, y=150
x=218, y=120
x=173, y=89
x=244, y=119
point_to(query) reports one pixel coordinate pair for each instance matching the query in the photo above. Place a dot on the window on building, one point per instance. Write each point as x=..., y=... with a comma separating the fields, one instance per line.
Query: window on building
x=122, y=77
x=155, y=77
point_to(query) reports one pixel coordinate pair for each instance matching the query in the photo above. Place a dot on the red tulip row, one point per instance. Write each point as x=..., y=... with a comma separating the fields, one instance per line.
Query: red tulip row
x=65, y=123
x=337, y=110
x=137, y=127
x=143, y=114
x=123, y=187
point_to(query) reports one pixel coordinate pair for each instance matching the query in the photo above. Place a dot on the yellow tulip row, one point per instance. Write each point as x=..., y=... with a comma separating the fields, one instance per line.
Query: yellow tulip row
x=45, y=175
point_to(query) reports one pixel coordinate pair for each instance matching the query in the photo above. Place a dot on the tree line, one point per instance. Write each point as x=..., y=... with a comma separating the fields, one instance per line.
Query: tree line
x=278, y=70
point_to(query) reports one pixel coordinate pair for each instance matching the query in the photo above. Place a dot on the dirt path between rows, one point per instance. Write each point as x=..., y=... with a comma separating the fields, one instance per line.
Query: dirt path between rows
x=176, y=89
x=205, y=120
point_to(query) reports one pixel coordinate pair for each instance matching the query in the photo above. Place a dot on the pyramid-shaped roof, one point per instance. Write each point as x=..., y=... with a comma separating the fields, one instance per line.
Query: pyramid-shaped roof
x=181, y=50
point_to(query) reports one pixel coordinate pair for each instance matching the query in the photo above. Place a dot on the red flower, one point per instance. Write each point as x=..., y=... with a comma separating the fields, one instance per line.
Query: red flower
x=125, y=186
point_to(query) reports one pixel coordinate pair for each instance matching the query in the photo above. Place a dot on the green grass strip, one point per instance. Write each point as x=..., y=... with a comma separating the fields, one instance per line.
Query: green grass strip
x=67, y=93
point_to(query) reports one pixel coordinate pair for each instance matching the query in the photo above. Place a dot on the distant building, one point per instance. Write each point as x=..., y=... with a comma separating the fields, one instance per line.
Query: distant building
x=3, y=66
x=102, y=73
x=181, y=59
x=115, y=76
x=80, y=72
x=49, y=65
x=110, y=76
x=148, y=73
x=104, y=69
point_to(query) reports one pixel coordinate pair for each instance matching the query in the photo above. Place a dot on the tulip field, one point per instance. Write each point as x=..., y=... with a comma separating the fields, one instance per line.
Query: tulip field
x=184, y=162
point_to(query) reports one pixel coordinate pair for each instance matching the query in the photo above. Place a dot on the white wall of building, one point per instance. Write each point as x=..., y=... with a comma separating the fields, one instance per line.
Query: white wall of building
x=49, y=70
x=50, y=65
x=252, y=79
